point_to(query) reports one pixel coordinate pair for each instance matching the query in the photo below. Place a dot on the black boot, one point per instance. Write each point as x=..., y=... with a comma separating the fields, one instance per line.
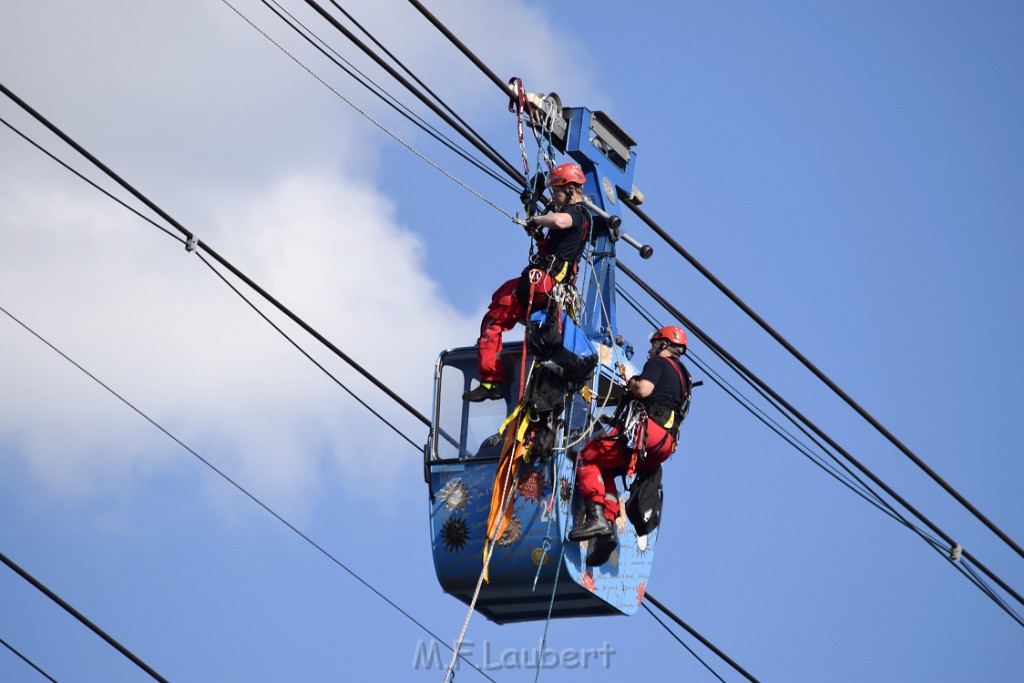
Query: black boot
x=602, y=550
x=483, y=393
x=593, y=524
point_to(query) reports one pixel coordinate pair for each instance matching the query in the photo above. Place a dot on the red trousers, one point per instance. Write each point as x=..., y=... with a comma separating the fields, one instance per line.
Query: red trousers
x=505, y=311
x=605, y=457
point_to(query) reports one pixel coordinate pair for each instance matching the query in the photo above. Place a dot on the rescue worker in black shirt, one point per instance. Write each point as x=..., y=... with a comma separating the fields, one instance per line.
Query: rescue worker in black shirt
x=568, y=226
x=661, y=396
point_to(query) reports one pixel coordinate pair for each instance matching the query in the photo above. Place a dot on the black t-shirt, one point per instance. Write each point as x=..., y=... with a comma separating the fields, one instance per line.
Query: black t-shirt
x=668, y=387
x=567, y=244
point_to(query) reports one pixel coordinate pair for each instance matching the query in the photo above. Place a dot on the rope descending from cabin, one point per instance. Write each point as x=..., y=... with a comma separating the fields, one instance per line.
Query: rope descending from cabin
x=488, y=553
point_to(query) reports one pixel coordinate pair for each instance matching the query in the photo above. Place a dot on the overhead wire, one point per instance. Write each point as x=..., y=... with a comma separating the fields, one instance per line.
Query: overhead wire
x=845, y=477
x=680, y=641
x=220, y=275
x=704, y=641
x=951, y=550
x=494, y=157
x=194, y=243
x=838, y=470
x=223, y=475
x=27, y=661
x=364, y=113
x=360, y=77
x=466, y=127
x=84, y=620
x=630, y=202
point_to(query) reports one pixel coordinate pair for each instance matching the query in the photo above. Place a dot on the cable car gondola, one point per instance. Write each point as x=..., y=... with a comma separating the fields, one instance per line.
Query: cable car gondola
x=534, y=571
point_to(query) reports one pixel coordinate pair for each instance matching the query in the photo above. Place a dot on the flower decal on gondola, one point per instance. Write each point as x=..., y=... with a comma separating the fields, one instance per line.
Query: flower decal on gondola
x=454, y=533
x=641, y=591
x=513, y=532
x=531, y=485
x=455, y=495
x=588, y=581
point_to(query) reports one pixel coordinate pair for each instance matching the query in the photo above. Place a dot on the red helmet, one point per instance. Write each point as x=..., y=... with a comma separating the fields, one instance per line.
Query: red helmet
x=565, y=174
x=671, y=334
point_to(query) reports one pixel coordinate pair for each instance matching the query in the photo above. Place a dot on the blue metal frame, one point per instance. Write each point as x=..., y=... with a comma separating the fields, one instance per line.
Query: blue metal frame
x=586, y=142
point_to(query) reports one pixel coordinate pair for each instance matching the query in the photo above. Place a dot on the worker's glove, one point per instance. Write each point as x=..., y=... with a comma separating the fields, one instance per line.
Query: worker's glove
x=531, y=226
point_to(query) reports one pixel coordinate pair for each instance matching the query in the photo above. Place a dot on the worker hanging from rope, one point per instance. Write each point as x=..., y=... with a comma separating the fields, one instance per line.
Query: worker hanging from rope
x=567, y=226
x=645, y=435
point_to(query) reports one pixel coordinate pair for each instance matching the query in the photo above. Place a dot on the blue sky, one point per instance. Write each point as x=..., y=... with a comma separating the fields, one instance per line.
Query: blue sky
x=852, y=170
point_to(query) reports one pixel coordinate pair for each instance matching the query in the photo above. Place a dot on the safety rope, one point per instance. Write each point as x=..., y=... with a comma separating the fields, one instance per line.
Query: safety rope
x=367, y=116
x=585, y=433
x=488, y=554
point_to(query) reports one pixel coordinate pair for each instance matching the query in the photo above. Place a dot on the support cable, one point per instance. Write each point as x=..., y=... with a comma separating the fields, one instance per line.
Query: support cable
x=27, y=661
x=680, y=641
x=708, y=644
x=82, y=618
x=220, y=275
x=951, y=544
x=850, y=479
x=461, y=46
x=847, y=477
x=192, y=240
x=629, y=202
x=369, y=118
x=468, y=128
x=266, y=508
x=386, y=97
x=498, y=160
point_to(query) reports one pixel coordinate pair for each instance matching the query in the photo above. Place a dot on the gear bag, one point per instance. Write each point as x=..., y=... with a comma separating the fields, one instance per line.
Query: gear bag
x=645, y=500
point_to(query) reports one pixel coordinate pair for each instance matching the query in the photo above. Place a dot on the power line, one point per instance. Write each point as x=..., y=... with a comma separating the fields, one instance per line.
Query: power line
x=461, y=46
x=27, y=660
x=849, y=479
x=707, y=643
x=81, y=617
x=680, y=641
x=468, y=128
x=498, y=160
x=193, y=243
x=232, y=482
x=220, y=275
x=389, y=99
x=629, y=202
x=846, y=477
x=953, y=550
x=365, y=114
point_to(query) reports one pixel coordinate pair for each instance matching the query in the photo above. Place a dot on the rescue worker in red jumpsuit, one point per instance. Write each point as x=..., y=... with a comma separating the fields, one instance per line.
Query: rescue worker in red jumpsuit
x=662, y=388
x=568, y=227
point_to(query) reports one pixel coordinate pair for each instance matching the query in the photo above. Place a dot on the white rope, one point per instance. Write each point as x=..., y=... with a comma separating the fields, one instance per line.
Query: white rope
x=367, y=116
x=505, y=501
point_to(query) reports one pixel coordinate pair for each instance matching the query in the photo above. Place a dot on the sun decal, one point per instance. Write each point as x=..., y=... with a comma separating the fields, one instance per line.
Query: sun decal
x=531, y=485
x=564, y=491
x=513, y=532
x=641, y=544
x=455, y=533
x=455, y=495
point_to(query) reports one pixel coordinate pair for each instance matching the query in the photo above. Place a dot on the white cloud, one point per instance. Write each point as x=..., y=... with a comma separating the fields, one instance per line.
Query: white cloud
x=147, y=318
x=264, y=164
